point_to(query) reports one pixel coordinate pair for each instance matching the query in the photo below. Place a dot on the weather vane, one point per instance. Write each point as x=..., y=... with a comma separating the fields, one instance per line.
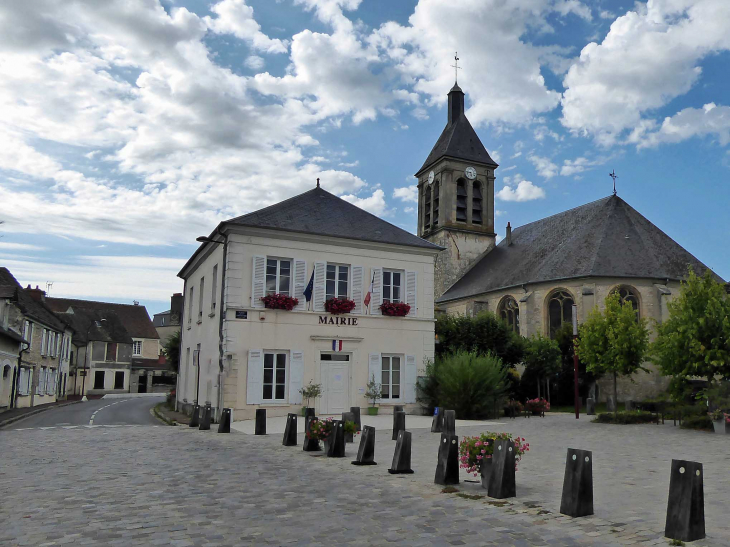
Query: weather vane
x=614, y=176
x=456, y=66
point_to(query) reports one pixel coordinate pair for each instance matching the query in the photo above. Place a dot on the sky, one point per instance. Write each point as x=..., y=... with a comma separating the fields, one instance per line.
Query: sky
x=130, y=127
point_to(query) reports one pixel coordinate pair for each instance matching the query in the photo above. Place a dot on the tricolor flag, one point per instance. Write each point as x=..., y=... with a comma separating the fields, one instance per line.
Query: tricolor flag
x=369, y=294
x=336, y=345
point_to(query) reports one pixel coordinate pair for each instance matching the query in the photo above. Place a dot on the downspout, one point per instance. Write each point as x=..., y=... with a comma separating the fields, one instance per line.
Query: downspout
x=16, y=379
x=222, y=313
x=179, y=350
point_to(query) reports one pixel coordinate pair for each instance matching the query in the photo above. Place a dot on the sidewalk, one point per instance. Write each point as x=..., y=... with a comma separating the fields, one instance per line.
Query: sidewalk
x=14, y=414
x=172, y=416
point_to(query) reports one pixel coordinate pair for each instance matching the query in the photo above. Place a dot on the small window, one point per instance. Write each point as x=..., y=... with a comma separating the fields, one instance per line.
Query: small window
x=390, y=379
x=214, y=288
x=137, y=347
x=337, y=281
x=435, y=204
x=274, y=376
x=509, y=311
x=119, y=379
x=190, y=306
x=461, y=198
x=427, y=209
x=335, y=357
x=99, y=379
x=392, y=286
x=28, y=332
x=278, y=276
x=560, y=310
x=200, y=298
x=476, y=203
x=111, y=351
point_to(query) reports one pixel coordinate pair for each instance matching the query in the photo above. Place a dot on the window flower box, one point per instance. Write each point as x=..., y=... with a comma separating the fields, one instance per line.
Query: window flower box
x=336, y=306
x=395, y=309
x=279, y=302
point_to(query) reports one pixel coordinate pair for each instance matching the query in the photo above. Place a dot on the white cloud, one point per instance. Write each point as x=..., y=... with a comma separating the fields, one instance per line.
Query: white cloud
x=650, y=56
x=254, y=62
x=6, y=245
x=525, y=191
x=235, y=17
x=578, y=165
x=565, y=7
x=407, y=193
x=374, y=204
x=687, y=123
x=544, y=167
x=409, y=210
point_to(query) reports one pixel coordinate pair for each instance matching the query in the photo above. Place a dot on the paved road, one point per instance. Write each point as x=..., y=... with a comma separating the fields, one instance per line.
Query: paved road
x=132, y=411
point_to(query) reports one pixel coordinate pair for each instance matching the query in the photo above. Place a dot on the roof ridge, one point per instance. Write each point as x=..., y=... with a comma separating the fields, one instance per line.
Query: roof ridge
x=95, y=302
x=287, y=200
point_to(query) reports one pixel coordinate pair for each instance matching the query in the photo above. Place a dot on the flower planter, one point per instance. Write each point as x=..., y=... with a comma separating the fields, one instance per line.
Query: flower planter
x=336, y=306
x=720, y=426
x=372, y=411
x=397, y=309
x=279, y=302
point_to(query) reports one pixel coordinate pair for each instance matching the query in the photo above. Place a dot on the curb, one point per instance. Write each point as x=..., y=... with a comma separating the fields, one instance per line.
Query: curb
x=34, y=412
x=160, y=416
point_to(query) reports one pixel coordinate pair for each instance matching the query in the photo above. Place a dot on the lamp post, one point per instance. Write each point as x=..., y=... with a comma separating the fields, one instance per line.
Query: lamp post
x=575, y=361
x=97, y=324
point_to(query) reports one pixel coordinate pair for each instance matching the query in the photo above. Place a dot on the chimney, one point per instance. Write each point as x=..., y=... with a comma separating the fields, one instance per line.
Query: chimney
x=176, y=304
x=508, y=236
x=36, y=294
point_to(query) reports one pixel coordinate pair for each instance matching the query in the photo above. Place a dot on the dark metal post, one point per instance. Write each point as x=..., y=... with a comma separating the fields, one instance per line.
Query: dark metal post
x=575, y=361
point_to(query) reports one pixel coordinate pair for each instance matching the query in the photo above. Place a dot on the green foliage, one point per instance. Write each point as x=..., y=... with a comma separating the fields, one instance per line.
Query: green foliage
x=630, y=417
x=697, y=422
x=171, y=351
x=470, y=383
x=562, y=390
x=427, y=392
x=311, y=391
x=349, y=427
x=542, y=356
x=482, y=334
x=373, y=391
x=695, y=340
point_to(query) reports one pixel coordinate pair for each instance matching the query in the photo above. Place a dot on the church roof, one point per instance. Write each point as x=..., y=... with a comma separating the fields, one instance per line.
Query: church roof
x=458, y=139
x=321, y=213
x=606, y=238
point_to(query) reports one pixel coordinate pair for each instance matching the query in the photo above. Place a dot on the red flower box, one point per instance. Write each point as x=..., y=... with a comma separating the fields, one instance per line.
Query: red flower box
x=279, y=302
x=395, y=309
x=336, y=306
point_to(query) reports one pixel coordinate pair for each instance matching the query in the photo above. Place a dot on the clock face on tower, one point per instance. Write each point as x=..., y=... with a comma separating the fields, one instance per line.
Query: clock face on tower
x=470, y=173
x=430, y=177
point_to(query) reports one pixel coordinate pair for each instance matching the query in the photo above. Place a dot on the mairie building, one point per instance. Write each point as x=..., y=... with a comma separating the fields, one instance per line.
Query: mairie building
x=237, y=353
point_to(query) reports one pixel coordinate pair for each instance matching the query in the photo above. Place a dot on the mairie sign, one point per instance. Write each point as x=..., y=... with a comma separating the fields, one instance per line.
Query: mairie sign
x=347, y=321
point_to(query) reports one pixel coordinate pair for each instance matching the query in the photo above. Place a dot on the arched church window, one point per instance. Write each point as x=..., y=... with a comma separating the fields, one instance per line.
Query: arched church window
x=560, y=310
x=427, y=209
x=461, y=200
x=509, y=311
x=476, y=203
x=435, y=203
x=628, y=294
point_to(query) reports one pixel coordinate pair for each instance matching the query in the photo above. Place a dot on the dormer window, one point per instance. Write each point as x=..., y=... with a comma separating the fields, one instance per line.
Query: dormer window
x=461, y=198
x=476, y=203
x=427, y=209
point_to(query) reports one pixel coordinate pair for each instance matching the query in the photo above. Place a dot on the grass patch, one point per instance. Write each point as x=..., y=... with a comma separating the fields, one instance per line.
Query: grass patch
x=469, y=496
x=449, y=490
x=625, y=418
x=676, y=542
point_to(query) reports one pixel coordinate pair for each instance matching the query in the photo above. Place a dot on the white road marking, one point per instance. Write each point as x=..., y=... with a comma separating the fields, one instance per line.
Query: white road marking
x=78, y=426
x=91, y=421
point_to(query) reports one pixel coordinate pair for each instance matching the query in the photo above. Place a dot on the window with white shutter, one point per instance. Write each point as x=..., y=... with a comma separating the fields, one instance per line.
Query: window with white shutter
x=254, y=377
x=357, y=282
x=258, y=281
x=318, y=294
x=300, y=283
x=296, y=376
x=41, y=381
x=374, y=367
x=43, y=341
x=376, y=298
x=411, y=292
x=409, y=394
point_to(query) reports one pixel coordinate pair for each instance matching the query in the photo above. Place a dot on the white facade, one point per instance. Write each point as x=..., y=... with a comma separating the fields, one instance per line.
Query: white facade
x=260, y=358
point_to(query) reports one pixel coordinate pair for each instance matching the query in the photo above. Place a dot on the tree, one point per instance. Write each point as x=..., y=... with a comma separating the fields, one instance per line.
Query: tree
x=483, y=334
x=615, y=341
x=171, y=351
x=563, y=386
x=695, y=340
x=542, y=359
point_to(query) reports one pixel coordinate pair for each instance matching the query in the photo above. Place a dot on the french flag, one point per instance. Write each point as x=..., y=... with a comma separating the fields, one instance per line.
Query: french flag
x=336, y=345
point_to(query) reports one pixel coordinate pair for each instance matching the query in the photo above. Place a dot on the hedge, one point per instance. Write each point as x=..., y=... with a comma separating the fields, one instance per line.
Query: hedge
x=631, y=417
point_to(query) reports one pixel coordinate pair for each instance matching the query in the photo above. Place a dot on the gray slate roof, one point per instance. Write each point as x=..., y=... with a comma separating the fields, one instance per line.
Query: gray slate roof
x=319, y=212
x=134, y=318
x=10, y=288
x=606, y=238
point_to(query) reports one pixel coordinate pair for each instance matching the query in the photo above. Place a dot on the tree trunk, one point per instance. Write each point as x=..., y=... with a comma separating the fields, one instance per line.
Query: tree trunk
x=547, y=385
x=615, y=396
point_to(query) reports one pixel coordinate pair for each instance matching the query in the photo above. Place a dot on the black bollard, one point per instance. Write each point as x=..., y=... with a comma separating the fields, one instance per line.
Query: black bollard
x=437, y=425
x=447, y=469
x=348, y=417
x=577, y=499
x=290, y=432
x=502, y=480
x=398, y=408
x=686, y=506
x=402, y=455
x=260, y=422
x=225, y=424
x=366, y=452
x=336, y=448
x=399, y=423
x=356, y=413
x=205, y=420
x=309, y=411
x=310, y=445
x=449, y=422
x=195, y=416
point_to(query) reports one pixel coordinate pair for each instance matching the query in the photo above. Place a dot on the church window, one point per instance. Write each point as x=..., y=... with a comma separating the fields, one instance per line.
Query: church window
x=435, y=203
x=560, y=310
x=427, y=209
x=337, y=281
x=476, y=203
x=392, y=288
x=628, y=294
x=461, y=200
x=278, y=276
x=509, y=311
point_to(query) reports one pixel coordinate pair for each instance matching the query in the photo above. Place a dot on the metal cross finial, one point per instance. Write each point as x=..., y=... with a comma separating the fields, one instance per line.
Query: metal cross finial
x=456, y=66
x=317, y=182
x=614, y=176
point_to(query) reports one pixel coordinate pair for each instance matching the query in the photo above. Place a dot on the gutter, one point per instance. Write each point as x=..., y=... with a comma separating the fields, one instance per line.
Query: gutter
x=16, y=380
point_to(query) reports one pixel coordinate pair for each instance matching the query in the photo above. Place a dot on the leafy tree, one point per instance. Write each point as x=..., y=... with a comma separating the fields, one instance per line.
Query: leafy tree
x=482, y=334
x=615, y=341
x=695, y=340
x=470, y=383
x=542, y=358
x=171, y=351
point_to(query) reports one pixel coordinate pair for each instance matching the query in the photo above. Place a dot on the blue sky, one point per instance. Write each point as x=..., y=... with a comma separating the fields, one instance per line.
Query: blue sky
x=130, y=128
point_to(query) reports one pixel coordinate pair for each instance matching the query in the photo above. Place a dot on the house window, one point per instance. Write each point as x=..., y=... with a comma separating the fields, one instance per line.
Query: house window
x=427, y=209
x=337, y=281
x=278, y=276
x=137, y=347
x=119, y=379
x=435, y=204
x=476, y=203
x=200, y=298
x=41, y=381
x=390, y=379
x=111, y=351
x=214, y=289
x=392, y=288
x=190, y=306
x=560, y=310
x=629, y=294
x=28, y=332
x=274, y=376
x=99, y=379
x=461, y=198
x=44, y=336
x=509, y=311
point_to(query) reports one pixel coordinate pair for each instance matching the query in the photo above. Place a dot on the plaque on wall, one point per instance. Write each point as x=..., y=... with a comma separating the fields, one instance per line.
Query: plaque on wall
x=241, y=314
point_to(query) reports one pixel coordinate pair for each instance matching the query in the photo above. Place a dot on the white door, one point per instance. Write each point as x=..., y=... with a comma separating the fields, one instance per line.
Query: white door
x=335, y=374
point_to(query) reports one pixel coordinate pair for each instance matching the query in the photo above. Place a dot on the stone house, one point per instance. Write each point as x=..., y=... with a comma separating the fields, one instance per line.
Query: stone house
x=167, y=322
x=10, y=347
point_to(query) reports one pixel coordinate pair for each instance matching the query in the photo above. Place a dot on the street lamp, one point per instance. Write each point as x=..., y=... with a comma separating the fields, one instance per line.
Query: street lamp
x=97, y=324
x=575, y=360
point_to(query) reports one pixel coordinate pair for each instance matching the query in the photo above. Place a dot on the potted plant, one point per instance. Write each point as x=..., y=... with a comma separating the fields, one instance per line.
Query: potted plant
x=320, y=430
x=720, y=420
x=372, y=394
x=395, y=309
x=475, y=453
x=336, y=306
x=538, y=406
x=513, y=408
x=309, y=392
x=279, y=301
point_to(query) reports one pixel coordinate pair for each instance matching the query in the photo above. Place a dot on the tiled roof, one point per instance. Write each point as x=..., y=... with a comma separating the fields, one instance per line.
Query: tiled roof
x=39, y=311
x=134, y=318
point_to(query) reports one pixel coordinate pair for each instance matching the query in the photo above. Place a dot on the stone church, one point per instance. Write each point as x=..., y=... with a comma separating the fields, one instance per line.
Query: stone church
x=539, y=270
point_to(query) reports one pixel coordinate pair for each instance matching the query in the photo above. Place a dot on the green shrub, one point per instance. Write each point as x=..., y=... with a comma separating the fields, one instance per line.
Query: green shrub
x=483, y=334
x=697, y=422
x=631, y=417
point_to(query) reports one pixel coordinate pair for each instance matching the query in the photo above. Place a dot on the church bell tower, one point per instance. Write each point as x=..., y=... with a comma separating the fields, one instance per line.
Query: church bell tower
x=456, y=196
